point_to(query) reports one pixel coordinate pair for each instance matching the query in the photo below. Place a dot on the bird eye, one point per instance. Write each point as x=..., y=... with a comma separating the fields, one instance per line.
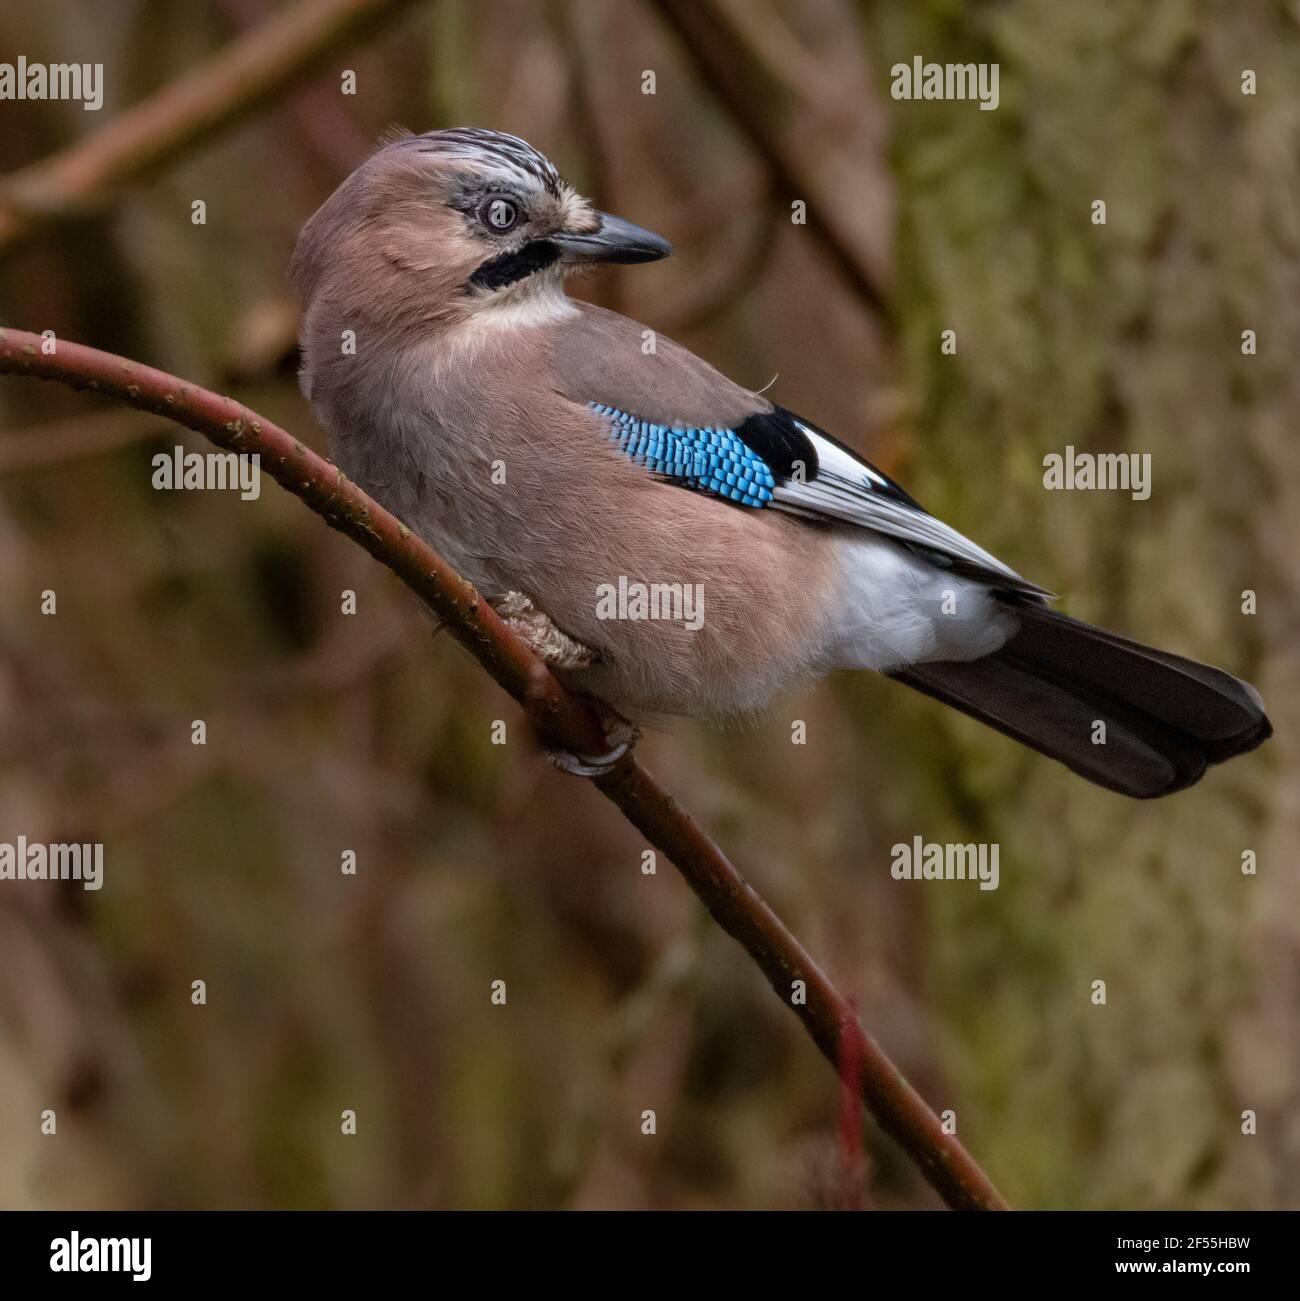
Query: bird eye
x=499, y=213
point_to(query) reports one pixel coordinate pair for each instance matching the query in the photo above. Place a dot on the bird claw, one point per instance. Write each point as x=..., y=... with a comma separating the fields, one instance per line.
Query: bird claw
x=557, y=650
x=578, y=765
x=621, y=735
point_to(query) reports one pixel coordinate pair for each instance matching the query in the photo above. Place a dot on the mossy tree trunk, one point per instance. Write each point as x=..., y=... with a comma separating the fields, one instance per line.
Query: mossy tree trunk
x=1125, y=337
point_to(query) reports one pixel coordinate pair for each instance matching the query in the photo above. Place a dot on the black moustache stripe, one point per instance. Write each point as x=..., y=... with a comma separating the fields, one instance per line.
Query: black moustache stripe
x=498, y=272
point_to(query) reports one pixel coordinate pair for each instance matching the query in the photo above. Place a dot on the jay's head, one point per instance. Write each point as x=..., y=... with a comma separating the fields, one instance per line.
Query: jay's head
x=451, y=226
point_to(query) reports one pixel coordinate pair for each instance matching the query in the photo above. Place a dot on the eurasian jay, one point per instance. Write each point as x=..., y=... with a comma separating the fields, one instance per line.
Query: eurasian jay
x=556, y=452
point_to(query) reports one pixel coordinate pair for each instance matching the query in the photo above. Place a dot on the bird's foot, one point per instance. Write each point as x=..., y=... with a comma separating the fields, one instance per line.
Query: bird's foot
x=619, y=734
x=556, y=649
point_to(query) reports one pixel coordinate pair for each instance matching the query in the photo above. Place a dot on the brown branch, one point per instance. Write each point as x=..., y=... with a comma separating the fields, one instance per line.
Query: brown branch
x=318, y=114
x=736, y=907
x=731, y=52
x=247, y=72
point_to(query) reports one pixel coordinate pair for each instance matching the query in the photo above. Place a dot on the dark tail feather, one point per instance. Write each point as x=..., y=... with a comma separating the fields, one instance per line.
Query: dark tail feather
x=1166, y=717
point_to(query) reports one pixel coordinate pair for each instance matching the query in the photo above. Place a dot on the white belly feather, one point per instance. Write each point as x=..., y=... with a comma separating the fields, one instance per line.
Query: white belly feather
x=896, y=609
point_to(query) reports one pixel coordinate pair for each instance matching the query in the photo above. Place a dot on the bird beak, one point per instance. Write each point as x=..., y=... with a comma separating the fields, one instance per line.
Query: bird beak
x=615, y=240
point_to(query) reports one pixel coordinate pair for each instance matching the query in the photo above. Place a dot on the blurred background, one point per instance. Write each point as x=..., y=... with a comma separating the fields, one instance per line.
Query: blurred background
x=478, y=862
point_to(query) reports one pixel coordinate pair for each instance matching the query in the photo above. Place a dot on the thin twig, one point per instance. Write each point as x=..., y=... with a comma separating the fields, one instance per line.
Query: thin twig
x=736, y=907
x=317, y=112
x=733, y=61
x=247, y=72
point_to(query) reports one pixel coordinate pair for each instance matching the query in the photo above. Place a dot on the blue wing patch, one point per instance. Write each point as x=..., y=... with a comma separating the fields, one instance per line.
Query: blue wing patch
x=713, y=460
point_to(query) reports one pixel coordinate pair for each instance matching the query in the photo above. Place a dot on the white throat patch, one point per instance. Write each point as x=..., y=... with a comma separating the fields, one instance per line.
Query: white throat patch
x=538, y=300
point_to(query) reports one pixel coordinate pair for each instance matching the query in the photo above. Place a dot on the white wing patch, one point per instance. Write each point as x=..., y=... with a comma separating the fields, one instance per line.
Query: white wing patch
x=847, y=489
